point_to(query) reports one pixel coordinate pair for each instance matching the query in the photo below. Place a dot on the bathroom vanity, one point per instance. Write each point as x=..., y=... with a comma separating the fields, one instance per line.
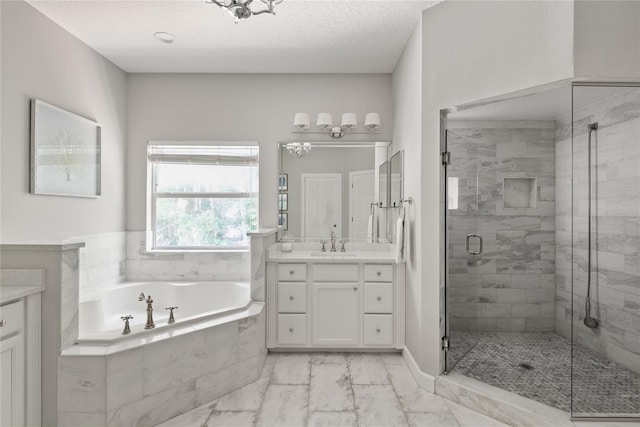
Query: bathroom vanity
x=334, y=300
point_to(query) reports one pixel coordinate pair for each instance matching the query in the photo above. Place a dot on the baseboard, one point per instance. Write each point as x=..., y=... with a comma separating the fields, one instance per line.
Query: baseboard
x=425, y=381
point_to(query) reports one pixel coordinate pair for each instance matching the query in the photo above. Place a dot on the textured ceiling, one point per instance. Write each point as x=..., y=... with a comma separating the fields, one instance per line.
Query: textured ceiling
x=344, y=36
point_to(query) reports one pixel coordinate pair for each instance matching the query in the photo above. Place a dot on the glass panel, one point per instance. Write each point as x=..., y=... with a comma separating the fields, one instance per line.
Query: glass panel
x=206, y=178
x=606, y=252
x=190, y=222
x=462, y=267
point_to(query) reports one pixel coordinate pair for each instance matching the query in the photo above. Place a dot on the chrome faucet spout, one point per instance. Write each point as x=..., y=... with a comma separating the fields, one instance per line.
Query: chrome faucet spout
x=333, y=242
x=149, y=324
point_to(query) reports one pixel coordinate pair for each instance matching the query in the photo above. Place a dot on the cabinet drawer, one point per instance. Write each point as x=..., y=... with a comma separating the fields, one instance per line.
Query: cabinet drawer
x=335, y=273
x=378, y=273
x=12, y=317
x=292, y=297
x=378, y=329
x=292, y=329
x=292, y=272
x=378, y=298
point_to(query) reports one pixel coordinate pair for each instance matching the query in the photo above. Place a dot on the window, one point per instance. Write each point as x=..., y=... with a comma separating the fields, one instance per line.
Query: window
x=202, y=196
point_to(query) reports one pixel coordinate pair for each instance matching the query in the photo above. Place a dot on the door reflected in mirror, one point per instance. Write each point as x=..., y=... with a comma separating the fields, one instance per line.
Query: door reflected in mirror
x=395, y=181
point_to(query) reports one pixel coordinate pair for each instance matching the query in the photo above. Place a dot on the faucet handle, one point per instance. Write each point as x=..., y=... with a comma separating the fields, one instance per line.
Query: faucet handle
x=127, y=328
x=342, y=248
x=323, y=242
x=171, y=318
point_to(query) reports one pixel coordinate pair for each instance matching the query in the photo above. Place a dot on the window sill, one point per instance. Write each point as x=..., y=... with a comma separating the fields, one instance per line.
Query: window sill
x=197, y=251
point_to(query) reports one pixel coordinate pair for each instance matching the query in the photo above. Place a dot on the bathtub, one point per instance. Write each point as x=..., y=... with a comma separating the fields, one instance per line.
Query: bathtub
x=100, y=315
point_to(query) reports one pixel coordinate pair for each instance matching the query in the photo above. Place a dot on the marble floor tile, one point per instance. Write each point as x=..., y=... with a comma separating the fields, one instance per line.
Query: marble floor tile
x=330, y=388
x=317, y=358
x=412, y=397
x=367, y=369
x=284, y=405
x=194, y=418
x=377, y=405
x=469, y=418
x=332, y=419
x=425, y=419
x=291, y=369
x=230, y=419
x=247, y=398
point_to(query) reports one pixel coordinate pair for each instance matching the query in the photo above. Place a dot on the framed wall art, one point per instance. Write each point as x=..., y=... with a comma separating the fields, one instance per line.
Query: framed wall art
x=65, y=152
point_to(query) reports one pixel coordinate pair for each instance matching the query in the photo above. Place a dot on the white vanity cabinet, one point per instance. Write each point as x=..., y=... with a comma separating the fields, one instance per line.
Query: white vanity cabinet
x=347, y=304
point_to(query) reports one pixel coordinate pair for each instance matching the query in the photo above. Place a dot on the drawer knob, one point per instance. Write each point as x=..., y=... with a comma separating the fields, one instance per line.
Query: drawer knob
x=379, y=298
x=378, y=330
x=291, y=298
x=355, y=289
x=2, y=323
x=290, y=329
x=379, y=273
x=290, y=271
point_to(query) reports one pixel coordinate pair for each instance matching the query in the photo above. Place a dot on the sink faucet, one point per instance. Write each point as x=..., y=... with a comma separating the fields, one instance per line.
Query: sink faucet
x=149, y=301
x=333, y=242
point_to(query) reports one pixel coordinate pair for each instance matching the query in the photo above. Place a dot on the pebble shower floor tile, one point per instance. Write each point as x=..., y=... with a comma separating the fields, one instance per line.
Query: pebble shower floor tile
x=505, y=359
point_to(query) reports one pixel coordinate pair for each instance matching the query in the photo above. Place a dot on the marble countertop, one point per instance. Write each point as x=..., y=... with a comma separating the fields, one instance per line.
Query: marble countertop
x=10, y=292
x=274, y=254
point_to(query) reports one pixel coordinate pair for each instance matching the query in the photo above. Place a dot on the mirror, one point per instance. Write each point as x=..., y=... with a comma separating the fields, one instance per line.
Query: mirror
x=395, y=181
x=329, y=186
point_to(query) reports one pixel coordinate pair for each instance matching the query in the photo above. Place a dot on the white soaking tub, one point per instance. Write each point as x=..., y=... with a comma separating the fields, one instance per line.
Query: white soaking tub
x=100, y=316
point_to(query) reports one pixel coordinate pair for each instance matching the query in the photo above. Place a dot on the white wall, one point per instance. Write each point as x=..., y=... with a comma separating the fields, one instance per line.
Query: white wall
x=471, y=51
x=607, y=40
x=247, y=107
x=41, y=60
x=407, y=134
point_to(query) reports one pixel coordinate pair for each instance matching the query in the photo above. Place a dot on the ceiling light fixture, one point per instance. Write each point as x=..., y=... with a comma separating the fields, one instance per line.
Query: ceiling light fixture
x=164, y=37
x=241, y=9
x=348, y=125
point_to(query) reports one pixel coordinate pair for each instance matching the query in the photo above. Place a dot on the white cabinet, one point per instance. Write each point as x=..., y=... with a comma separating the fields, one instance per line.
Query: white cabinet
x=12, y=364
x=324, y=304
x=335, y=314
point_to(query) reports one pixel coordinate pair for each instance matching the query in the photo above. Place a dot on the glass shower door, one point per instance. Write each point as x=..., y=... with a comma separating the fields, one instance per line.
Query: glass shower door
x=464, y=246
x=605, y=220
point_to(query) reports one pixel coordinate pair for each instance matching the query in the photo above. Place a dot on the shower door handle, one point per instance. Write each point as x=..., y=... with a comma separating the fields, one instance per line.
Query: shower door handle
x=469, y=236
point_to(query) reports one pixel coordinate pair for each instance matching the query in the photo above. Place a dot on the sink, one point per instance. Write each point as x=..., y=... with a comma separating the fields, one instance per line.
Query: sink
x=334, y=254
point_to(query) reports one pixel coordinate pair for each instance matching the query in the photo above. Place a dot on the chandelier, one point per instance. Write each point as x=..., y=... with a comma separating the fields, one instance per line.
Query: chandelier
x=241, y=9
x=298, y=149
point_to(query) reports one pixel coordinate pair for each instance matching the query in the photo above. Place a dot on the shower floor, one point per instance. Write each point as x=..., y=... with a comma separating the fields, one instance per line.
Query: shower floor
x=537, y=365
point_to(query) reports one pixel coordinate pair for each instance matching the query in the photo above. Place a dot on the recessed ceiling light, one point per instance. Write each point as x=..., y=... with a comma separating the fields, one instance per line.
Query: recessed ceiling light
x=164, y=37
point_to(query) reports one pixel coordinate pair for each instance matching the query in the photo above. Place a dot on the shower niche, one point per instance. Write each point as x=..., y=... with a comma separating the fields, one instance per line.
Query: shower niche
x=548, y=306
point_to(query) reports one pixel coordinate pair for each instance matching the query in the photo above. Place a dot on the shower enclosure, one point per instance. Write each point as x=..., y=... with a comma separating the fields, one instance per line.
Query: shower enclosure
x=542, y=283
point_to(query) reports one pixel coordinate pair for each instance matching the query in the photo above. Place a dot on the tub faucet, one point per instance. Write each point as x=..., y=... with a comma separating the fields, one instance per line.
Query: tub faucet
x=333, y=242
x=149, y=301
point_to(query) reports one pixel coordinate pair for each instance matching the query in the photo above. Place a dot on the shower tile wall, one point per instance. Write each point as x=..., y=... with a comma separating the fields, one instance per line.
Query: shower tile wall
x=511, y=286
x=615, y=292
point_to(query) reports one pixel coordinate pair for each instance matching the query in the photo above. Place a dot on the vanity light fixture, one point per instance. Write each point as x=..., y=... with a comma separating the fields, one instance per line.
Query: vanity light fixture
x=325, y=124
x=299, y=149
x=241, y=9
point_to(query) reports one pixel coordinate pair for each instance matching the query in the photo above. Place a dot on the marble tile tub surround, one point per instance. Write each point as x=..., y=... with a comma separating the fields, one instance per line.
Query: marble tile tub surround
x=332, y=389
x=146, y=385
x=259, y=243
x=179, y=266
x=510, y=287
x=615, y=274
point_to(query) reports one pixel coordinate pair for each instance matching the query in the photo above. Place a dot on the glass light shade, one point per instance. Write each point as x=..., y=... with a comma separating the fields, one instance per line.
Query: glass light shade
x=349, y=120
x=372, y=121
x=301, y=121
x=325, y=121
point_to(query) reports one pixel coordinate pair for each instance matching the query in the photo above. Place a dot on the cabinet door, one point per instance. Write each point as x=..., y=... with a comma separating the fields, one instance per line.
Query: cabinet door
x=335, y=314
x=12, y=408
